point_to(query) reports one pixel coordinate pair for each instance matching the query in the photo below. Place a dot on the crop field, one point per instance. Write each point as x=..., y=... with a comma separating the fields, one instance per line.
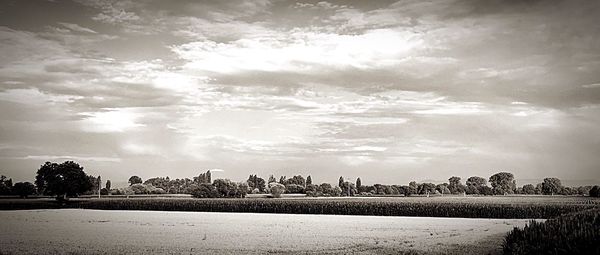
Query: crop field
x=82, y=231
x=521, y=207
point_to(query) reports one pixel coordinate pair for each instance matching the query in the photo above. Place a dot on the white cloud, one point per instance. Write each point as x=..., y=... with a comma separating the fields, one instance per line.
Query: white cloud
x=300, y=51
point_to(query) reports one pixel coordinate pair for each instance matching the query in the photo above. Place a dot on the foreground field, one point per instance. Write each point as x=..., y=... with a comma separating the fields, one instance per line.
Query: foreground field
x=77, y=231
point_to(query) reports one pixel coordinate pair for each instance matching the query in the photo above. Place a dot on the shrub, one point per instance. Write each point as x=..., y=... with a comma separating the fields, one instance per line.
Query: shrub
x=104, y=192
x=276, y=189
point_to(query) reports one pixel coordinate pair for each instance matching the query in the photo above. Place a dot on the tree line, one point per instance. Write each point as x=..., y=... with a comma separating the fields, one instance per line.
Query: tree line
x=68, y=179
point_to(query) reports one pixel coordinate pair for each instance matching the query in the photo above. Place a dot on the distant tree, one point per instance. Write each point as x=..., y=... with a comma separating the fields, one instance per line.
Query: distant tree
x=135, y=180
x=63, y=180
x=568, y=191
x=476, y=181
x=223, y=187
x=340, y=181
x=595, y=191
x=455, y=186
x=6, y=185
x=108, y=185
x=204, y=190
x=241, y=189
x=358, y=183
x=24, y=189
x=282, y=180
x=294, y=188
x=308, y=180
x=503, y=183
x=584, y=190
x=474, y=184
x=203, y=178
x=327, y=189
x=311, y=190
x=99, y=184
x=297, y=179
x=528, y=189
x=487, y=191
x=413, y=188
x=551, y=186
x=94, y=181
x=276, y=189
x=139, y=188
x=271, y=179
x=426, y=188
x=380, y=189
x=442, y=188
x=256, y=182
x=337, y=191
x=538, y=189
x=348, y=189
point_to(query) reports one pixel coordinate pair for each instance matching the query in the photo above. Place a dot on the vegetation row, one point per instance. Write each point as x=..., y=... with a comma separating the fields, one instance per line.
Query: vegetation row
x=397, y=207
x=68, y=179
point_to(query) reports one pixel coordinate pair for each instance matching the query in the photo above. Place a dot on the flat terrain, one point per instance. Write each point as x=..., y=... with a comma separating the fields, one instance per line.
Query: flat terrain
x=83, y=231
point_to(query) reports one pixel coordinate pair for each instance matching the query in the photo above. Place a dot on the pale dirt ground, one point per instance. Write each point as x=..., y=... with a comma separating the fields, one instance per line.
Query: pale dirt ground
x=78, y=231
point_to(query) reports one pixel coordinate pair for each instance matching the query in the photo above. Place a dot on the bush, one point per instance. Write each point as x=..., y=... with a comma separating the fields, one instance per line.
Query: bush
x=276, y=189
x=104, y=192
x=575, y=233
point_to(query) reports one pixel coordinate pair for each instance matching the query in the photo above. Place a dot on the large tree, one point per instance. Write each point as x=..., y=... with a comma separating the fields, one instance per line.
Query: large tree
x=503, y=183
x=551, y=186
x=62, y=180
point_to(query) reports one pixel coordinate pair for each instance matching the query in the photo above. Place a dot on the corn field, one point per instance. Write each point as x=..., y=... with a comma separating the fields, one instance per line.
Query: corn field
x=575, y=233
x=383, y=207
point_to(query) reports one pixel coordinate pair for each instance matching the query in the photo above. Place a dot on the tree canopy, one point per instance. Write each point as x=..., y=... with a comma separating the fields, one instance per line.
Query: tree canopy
x=63, y=180
x=134, y=180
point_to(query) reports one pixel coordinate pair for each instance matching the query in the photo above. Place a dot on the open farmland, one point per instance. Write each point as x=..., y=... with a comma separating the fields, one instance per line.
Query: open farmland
x=78, y=231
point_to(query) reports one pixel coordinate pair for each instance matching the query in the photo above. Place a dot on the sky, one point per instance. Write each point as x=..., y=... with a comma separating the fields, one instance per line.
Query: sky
x=383, y=90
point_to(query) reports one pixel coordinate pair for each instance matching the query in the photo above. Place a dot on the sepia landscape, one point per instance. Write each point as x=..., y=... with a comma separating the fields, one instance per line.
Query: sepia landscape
x=299, y=127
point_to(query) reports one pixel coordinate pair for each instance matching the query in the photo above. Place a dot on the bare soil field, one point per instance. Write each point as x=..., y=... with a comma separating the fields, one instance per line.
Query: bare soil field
x=83, y=231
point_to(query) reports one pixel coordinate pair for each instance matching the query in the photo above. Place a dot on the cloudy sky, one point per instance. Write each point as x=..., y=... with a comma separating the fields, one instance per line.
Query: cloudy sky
x=388, y=91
